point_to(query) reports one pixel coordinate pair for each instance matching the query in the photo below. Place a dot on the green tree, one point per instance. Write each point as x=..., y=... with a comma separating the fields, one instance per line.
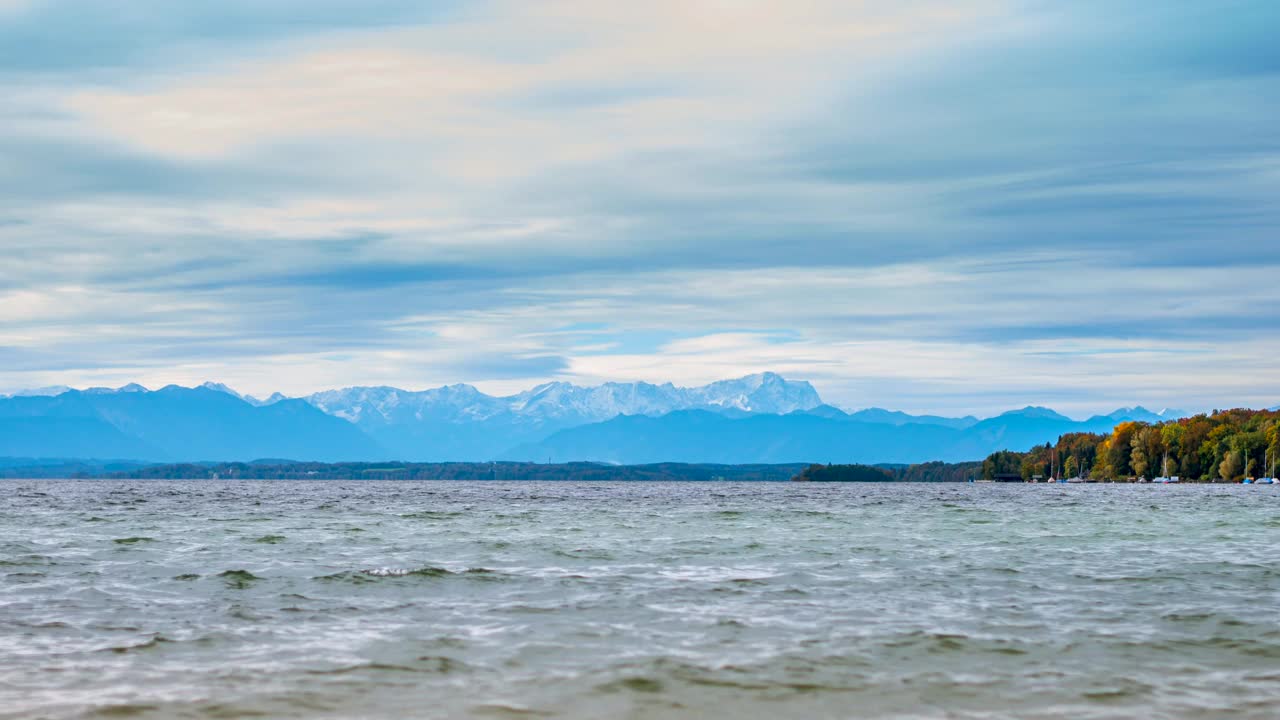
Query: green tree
x=1140, y=457
x=1120, y=449
x=1001, y=462
x=1032, y=466
x=1171, y=436
x=1272, y=434
x=1216, y=448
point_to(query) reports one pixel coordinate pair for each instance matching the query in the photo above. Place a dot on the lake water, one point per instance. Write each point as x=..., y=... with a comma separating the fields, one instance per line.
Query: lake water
x=390, y=600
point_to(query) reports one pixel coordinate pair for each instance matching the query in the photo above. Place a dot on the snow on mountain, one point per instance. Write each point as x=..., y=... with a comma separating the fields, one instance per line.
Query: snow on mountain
x=761, y=393
x=222, y=388
x=50, y=391
x=461, y=422
x=219, y=387
x=562, y=401
x=130, y=388
x=1142, y=414
x=384, y=405
x=56, y=390
x=565, y=400
x=274, y=398
x=1138, y=413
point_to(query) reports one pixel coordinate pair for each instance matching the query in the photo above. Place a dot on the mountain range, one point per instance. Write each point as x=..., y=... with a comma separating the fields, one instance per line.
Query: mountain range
x=824, y=434
x=755, y=419
x=173, y=424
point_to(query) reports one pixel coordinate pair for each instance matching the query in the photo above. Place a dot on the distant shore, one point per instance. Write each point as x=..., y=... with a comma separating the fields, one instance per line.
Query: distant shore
x=515, y=471
x=490, y=471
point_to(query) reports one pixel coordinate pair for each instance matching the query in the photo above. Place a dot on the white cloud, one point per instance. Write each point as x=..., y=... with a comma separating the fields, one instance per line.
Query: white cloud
x=915, y=204
x=494, y=96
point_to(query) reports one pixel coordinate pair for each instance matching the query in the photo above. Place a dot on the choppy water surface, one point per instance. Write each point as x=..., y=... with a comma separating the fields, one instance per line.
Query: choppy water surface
x=382, y=600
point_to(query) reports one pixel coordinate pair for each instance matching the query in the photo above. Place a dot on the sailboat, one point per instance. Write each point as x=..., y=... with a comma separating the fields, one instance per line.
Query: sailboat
x=1164, y=468
x=1269, y=465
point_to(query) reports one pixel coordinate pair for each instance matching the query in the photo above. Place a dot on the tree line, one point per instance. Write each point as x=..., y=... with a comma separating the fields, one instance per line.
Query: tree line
x=290, y=470
x=1223, y=446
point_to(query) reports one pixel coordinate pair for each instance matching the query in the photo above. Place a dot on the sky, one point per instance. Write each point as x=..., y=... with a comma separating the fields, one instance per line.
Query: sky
x=925, y=205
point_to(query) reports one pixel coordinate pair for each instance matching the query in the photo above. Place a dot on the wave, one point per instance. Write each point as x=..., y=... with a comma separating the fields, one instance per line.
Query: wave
x=374, y=574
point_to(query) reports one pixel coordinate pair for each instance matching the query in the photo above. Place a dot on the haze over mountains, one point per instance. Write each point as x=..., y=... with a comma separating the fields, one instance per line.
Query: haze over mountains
x=761, y=418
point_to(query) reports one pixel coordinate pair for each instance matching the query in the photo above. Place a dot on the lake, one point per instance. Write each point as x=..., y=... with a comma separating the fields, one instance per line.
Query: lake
x=201, y=599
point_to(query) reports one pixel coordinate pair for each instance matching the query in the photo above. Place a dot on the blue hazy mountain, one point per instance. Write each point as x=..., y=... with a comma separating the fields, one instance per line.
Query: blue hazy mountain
x=637, y=439
x=1142, y=414
x=895, y=417
x=757, y=418
x=699, y=436
x=176, y=424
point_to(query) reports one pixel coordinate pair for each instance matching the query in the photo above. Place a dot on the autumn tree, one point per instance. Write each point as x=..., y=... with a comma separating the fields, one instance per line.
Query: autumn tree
x=1138, y=461
x=1222, y=445
x=1171, y=436
x=1229, y=467
x=1145, y=444
x=1119, y=454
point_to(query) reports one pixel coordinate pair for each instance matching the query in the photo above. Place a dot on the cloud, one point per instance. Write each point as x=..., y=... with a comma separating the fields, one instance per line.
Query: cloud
x=915, y=204
x=49, y=37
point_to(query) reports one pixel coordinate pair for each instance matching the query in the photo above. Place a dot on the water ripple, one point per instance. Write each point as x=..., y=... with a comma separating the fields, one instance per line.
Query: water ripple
x=445, y=600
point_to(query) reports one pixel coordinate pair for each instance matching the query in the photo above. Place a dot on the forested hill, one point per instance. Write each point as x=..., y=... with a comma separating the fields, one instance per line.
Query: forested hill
x=844, y=473
x=1223, y=446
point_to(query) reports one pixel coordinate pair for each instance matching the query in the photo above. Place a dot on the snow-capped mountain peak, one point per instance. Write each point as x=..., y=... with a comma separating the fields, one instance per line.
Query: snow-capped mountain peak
x=560, y=402
x=272, y=399
x=763, y=392
x=387, y=405
x=220, y=387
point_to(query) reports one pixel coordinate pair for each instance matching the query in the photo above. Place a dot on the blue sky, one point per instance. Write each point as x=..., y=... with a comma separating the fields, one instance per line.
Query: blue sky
x=926, y=205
